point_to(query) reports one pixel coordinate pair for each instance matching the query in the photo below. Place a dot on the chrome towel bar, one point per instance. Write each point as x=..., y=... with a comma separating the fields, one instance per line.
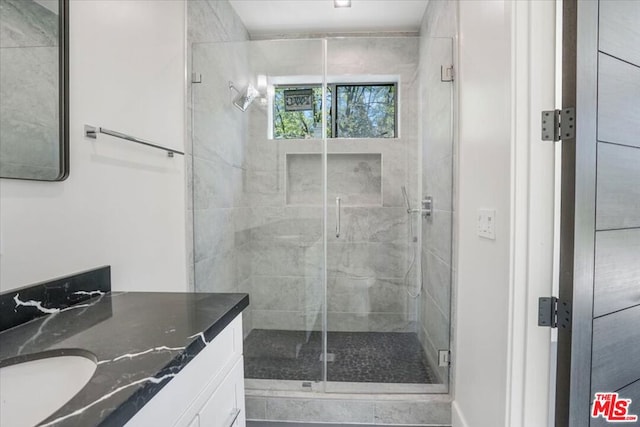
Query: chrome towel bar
x=93, y=131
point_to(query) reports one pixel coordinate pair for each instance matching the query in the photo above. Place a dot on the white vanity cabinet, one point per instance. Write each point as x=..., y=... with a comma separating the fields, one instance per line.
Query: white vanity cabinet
x=208, y=392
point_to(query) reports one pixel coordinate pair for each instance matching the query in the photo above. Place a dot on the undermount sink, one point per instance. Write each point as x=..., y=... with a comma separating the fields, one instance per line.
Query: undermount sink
x=35, y=386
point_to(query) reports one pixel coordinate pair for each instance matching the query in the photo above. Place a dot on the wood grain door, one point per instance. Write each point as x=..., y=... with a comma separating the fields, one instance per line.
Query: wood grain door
x=600, y=223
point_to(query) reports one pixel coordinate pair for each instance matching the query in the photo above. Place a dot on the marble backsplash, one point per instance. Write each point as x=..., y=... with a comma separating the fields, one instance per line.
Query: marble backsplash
x=18, y=306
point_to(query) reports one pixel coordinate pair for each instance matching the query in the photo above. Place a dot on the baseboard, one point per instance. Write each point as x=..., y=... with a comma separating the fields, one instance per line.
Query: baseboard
x=457, y=419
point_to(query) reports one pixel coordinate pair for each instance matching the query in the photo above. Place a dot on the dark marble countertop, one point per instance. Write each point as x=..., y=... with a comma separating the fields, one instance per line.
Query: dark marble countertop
x=140, y=341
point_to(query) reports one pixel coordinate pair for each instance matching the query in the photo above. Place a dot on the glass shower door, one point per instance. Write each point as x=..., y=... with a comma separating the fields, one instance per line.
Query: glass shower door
x=258, y=202
x=388, y=268
x=310, y=160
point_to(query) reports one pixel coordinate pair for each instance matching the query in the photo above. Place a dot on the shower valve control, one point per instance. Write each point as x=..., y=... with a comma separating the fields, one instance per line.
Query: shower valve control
x=427, y=206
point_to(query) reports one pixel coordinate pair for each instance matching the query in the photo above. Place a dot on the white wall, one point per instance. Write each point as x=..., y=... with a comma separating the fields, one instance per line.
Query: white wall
x=484, y=181
x=122, y=205
x=506, y=77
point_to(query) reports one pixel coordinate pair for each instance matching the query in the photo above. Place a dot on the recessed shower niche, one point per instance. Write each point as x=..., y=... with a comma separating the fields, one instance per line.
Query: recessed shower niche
x=355, y=177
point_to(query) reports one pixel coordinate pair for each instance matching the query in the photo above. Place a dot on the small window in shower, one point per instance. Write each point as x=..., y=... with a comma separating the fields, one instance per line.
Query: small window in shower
x=359, y=110
x=363, y=110
x=297, y=112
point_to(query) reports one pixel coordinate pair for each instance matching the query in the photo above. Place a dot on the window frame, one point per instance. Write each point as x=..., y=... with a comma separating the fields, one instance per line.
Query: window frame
x=334, y=108
x=332, y=86
x=272, y=105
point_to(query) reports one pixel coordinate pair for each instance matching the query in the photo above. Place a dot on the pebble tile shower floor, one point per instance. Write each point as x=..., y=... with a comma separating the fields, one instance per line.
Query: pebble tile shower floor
x=374, y=357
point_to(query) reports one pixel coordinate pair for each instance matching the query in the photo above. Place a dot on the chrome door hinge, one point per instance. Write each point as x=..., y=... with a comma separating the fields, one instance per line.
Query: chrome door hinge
x=557, y=125
x=444, y=358
x=446, y=73
x=196, y=78
x=554, y=313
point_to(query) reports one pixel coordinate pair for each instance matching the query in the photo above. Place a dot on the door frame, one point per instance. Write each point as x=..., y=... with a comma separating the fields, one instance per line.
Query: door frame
x=534, y=219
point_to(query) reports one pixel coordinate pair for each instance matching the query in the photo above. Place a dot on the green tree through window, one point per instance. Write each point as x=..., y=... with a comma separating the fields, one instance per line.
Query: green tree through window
x=297, y=124
x=365, y=111
x=359, y=111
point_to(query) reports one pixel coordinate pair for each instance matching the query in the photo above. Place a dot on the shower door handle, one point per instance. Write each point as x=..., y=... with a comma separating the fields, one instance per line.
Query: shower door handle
x=338, y=217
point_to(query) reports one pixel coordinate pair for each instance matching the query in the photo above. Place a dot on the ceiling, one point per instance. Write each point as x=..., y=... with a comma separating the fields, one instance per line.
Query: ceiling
x=263, y=17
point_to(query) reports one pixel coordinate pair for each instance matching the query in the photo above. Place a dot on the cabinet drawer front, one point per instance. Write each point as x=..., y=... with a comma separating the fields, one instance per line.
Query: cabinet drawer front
x=225, y=408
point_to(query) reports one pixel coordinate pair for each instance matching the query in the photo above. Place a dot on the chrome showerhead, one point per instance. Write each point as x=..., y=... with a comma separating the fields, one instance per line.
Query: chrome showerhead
x=245, y=97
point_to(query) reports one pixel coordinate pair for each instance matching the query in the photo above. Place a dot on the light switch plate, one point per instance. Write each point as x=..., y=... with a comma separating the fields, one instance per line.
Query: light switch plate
x=486, y=223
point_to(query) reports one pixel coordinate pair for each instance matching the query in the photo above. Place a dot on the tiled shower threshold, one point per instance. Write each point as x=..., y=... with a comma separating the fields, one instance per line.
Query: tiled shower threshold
x=391, y=409
x=294, y=424
x=290, y=388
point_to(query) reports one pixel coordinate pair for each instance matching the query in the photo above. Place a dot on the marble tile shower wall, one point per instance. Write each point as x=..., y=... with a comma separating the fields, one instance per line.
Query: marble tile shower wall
x=367, y=264
x=437, y=163
x=366, y=271
x=248, y=236
x=28, y=49
x=286, y=240
x=217, y=134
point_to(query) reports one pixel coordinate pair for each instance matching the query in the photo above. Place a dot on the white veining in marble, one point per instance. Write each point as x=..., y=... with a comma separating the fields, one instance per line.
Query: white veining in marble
x=201, y=336
x=36, y=304
x=155, y=380
x=90, y=293
x=141, y=353
x=51, y=315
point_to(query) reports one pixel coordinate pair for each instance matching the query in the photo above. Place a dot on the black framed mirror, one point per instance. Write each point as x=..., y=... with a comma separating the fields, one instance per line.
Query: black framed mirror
x=34, y=98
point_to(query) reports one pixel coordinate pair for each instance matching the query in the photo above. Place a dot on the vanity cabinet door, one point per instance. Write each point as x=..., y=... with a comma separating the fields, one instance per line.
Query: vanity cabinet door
x=225, y=408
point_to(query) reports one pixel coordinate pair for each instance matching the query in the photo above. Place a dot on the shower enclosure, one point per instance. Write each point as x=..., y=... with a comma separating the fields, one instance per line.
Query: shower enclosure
x=302, y=150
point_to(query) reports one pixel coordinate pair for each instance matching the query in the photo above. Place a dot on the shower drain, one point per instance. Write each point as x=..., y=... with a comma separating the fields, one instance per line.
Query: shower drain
x=331, y=357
